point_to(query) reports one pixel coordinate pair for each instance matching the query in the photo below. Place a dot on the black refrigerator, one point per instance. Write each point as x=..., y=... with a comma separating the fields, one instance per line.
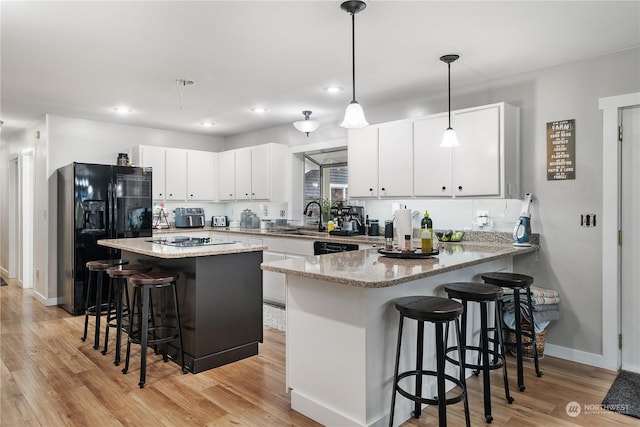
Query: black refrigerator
x=97, y=202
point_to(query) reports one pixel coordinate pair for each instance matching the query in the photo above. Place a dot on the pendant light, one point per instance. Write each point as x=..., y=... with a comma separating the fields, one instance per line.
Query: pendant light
x=449, y=138
x=306, y=125
x=354, y=115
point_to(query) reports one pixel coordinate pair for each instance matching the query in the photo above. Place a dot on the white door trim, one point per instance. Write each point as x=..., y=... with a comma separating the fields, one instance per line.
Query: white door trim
x=610, y=107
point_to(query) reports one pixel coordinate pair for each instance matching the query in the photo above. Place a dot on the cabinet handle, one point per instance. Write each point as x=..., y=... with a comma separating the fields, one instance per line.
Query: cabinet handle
x=383, y=189
x=444, y=188
x=192, y=195
x=230, y=195
x=170, y=194
x=459, y=187
x=253, y=194
x=159, y=194
x=246, y=194
x=371, y=190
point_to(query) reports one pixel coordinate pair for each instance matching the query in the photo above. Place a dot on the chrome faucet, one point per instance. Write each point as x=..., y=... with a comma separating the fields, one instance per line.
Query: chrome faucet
x=307, y=212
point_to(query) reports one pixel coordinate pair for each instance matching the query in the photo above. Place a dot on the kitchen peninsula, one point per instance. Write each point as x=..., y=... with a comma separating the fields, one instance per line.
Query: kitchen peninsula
x=219, y=293
x=342, y=324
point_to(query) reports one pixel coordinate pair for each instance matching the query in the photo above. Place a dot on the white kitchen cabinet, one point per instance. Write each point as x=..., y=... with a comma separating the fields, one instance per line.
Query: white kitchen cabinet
x=153, y=157
x=226, y=175
x=201, y=175
x=254, y=173
x=243, y=174
x=486, y=164
x=395, y=154
x=176, y=174
x=362, y=157
x=273, y=284
x=431, y=163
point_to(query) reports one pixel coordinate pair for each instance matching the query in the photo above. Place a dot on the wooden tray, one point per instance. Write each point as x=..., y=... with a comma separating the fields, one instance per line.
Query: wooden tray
x=408, y=255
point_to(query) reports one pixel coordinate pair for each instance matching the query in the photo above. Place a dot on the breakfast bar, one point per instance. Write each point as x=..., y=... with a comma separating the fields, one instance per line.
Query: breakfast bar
x=342, y=325
x=219, y=294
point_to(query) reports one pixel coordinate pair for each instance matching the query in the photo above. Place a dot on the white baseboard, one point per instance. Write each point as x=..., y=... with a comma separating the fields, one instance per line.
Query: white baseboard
x=4, y=273
x=48, y=302
x=578, y=356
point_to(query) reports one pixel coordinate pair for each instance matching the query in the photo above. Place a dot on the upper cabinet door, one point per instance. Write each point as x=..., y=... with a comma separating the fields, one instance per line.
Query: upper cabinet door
x=477, y=160
x=243, y=174
x=154, y=158
x=395, y=159
x=431, y=163
x=201, y=175
x=227, y=175
x=260, y=173
x=176, y=178
x=362, y=157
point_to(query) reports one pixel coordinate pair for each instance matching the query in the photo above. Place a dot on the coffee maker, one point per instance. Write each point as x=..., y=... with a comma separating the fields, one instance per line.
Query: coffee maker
x=349, y=220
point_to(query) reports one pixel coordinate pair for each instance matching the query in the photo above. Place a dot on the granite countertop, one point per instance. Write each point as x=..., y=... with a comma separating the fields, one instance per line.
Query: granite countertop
x=367, y=268
x=302, y=233
x=144, y=246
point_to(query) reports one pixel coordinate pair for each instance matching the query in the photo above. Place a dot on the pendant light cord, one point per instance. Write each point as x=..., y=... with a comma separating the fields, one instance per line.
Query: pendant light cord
x=449, y=85
x=353, y=55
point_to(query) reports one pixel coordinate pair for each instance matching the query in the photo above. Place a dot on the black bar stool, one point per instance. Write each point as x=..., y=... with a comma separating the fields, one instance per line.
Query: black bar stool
x=483, y=294
x=519, y=283
x=98, y=267
x=139, y=330
x=437, y=311
x=114, y=320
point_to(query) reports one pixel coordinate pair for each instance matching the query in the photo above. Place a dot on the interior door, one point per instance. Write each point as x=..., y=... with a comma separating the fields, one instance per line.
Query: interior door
x=630, y=248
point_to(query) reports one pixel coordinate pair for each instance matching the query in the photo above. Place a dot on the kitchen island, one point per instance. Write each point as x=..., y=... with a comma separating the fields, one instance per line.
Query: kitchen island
x=219, y=295
x=342, y=325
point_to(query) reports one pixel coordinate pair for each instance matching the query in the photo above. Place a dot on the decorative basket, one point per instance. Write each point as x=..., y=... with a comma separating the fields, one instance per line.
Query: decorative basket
x=527, y=352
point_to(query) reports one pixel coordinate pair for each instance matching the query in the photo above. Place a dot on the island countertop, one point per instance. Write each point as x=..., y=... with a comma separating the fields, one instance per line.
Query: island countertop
x=367, y=268
x=144, y=246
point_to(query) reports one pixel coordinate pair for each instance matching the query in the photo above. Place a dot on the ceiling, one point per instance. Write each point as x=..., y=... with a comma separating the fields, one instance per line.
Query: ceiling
x=83, y=58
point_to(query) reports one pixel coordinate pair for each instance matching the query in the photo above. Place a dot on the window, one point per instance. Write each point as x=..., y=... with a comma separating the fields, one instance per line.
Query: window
x=326, y=179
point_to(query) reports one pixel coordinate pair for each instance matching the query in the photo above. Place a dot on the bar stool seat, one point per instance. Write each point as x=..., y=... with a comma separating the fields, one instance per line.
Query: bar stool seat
x=518, y=282
x=437, y=311
x=482, y=294
x=162, y=333
x=98, y=267
x=121, y=273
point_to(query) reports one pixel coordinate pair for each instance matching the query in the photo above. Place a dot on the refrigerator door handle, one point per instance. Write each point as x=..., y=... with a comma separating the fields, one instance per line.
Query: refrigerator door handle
x=110, y=212
x=114, y=226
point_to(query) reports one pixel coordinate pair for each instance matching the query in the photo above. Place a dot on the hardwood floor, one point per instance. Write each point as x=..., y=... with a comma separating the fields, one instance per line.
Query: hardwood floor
x=51, y=378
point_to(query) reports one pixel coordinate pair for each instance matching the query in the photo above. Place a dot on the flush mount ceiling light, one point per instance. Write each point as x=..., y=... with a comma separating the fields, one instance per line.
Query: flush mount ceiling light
x=259, y=110
x=449, y=138
x=207, y=124
x=122, y=110
x=333, y=89
x=354, y=115
x=306, y=125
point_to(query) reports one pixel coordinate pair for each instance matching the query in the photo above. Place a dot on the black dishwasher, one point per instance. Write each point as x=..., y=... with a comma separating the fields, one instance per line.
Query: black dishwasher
x=322, y=248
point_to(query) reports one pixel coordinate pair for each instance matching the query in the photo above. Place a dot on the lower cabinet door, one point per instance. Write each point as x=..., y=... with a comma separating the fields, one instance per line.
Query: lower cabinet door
x=273, y=284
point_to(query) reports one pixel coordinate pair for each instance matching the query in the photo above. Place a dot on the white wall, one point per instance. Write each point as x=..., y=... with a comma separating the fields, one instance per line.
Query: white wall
x=570, y=260
x=64, y=140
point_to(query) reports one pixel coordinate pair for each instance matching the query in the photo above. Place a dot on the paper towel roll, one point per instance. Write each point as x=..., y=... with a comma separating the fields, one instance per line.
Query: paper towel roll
x=403, y=225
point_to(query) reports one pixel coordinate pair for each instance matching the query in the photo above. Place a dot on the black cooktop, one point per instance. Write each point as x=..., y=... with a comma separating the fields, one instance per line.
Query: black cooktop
x=184, y=241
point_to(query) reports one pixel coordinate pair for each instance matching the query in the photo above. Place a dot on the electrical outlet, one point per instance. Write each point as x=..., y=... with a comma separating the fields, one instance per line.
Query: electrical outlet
x=283, y=213
x=588, y=220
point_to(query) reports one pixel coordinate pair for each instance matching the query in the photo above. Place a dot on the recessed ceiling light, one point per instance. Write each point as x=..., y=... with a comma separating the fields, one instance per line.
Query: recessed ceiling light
x=207, y=124
x=333, y=89
x=259, y=110
x=122, y=110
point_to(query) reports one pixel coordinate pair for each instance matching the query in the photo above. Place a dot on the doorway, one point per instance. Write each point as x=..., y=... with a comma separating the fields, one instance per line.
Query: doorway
x=630, y=240
x=13, y=264
x=27, y=185
x=612, y=109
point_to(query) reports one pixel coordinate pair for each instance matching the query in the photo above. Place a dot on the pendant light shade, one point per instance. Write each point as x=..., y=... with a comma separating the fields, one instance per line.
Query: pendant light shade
x=354, y=114
x=306, y=125
x=449, y=138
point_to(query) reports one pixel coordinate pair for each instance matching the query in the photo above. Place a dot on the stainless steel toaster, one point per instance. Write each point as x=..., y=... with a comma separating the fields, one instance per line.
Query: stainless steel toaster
x=189, y=217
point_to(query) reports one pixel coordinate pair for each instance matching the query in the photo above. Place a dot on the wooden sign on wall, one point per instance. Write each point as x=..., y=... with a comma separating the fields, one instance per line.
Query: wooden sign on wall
x=561, y=150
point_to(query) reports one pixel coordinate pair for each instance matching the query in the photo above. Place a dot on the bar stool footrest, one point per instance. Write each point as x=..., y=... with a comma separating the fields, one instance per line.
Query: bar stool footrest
x=448, y=401
x=492, y=365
